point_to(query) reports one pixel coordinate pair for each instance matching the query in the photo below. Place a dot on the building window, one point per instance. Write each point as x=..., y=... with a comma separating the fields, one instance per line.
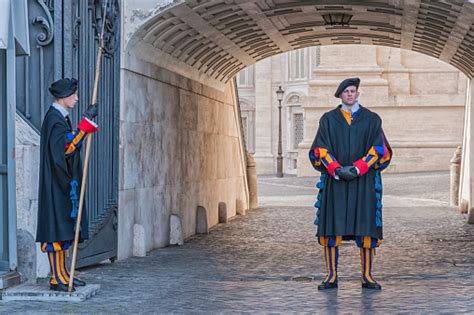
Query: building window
x=298, y=127
x=245, y=78
x=315, y=56
x=298, y=64
x=294, y=132
x=245, y=127
x=247, y=116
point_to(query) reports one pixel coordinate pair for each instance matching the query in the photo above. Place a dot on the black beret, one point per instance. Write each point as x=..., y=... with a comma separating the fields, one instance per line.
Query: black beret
x=344, y=84
x=63, y=88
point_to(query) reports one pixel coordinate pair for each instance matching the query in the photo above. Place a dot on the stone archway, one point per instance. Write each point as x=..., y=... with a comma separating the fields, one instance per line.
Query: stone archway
x=178, y=61
x=218, y=38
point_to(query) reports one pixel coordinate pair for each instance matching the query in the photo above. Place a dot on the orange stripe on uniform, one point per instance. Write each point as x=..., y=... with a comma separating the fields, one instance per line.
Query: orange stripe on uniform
x=57, y=246
x=323, y=240
x=347, y=116
x=368, y=264
x=333, y=265
x=367, y=241
x=328, y=267
x=58, y=269
x=374, y=158
x=62, y=263
x=53, y=269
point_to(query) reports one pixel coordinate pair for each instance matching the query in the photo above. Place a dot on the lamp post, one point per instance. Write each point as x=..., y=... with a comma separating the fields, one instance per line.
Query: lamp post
x=279, y=173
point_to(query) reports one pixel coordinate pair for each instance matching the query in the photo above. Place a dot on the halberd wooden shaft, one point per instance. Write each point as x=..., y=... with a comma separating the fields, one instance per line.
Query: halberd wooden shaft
x=86, y=161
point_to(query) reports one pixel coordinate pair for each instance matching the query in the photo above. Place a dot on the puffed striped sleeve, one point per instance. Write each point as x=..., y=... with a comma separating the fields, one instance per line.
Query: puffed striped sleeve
x=76, y=137
x=320, y=154
x=378, y=156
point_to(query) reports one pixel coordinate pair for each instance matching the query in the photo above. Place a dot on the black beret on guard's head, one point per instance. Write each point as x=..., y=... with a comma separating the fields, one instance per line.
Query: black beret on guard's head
x=344, y=84
x=63, y=88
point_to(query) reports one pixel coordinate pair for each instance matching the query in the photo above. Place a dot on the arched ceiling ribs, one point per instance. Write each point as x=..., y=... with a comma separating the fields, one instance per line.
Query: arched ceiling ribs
x=456, y=50
x=218, y=38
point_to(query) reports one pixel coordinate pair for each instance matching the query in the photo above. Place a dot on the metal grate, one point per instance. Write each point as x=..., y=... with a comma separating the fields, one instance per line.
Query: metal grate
x=316, y=58
x=245, y=128
x=4, y=254
x=298, y=126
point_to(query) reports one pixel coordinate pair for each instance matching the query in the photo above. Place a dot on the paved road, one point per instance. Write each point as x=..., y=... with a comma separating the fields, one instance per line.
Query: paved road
x=426, y=264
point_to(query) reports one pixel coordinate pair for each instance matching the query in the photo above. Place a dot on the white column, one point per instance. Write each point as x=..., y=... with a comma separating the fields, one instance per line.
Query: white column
x=470, y=99
x=263, y=117
x=466, y=189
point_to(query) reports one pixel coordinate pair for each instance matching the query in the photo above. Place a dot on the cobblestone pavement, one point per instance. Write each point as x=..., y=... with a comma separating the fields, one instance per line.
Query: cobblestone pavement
x=426, y=264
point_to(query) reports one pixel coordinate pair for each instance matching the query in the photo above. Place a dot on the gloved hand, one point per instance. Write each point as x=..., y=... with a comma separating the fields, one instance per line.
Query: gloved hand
x=91, y=111
x=346, y=173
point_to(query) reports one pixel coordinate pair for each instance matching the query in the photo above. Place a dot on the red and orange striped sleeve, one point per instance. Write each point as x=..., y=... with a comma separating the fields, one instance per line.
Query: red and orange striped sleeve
x=323, y=156
x=75, y=137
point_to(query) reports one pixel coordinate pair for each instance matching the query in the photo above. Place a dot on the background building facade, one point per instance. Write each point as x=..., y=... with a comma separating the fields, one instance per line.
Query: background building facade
x=420, y=99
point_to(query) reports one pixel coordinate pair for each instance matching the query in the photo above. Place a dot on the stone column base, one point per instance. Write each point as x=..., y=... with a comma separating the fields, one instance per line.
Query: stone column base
x=265, y=164
x=9, y=279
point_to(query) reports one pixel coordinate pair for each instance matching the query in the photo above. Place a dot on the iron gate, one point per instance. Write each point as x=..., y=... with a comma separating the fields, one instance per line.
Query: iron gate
x=4, y=254
x=64, y=39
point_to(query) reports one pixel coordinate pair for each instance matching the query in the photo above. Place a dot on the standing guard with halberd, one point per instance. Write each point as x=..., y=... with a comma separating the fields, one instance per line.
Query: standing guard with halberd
x=60, y=179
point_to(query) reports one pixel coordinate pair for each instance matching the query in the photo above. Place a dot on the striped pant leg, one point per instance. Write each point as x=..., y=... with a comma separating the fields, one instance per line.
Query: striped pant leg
x=331, y=253
x=367, y=247
x=64, y=270
x=56, y=259
x=57, y=277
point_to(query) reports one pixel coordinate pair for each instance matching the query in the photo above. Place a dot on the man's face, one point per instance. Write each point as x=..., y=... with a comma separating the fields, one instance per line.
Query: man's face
x=71, y=100
x=350, y=95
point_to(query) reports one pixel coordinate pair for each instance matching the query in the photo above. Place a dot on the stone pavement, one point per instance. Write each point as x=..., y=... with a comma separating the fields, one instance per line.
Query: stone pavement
x=426, y=263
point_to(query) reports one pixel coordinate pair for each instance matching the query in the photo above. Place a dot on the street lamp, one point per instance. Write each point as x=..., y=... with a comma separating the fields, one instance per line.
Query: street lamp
x=279, y=173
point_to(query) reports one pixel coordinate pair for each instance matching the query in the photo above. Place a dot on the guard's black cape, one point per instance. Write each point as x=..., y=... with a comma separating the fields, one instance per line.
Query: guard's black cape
x=348, y=208
x=56, y=172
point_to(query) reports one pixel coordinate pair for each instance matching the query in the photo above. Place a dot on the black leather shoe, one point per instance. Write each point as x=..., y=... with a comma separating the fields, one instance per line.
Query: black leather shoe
x=60, y=287
x=372, y=286
x=78, y=283
x=327, y=285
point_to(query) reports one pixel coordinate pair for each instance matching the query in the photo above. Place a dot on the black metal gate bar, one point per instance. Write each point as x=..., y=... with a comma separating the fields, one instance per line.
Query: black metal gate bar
x=102, y=212
x=4, y=253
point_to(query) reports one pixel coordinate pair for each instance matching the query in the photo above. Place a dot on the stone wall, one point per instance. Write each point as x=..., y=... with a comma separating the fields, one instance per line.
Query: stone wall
x=180, y=149
x=31, y=262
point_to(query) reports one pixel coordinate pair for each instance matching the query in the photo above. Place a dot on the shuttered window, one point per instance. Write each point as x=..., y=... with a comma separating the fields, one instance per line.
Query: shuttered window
x=298, y=64
x=298, y=127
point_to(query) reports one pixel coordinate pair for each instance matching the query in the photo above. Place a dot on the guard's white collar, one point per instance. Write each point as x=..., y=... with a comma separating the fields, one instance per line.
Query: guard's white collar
x=61, y=109
x=350, y=109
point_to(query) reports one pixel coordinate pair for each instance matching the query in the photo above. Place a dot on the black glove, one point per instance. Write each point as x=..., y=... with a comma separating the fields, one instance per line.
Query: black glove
x=91, y=111
x=346, y=173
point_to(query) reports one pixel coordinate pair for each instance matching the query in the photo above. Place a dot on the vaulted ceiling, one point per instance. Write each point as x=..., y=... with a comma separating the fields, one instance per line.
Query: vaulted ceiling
x=220, y=37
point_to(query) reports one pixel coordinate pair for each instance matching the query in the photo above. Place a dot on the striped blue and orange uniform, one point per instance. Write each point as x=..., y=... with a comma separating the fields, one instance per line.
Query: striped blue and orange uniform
x=376, y=157
x=57, y=261
x=56, y=250
x=331, y=253
x=367, y=247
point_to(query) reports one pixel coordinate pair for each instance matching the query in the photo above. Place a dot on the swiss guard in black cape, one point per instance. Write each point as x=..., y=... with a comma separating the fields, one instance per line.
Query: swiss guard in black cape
x=350, y=150
x=60, y=179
